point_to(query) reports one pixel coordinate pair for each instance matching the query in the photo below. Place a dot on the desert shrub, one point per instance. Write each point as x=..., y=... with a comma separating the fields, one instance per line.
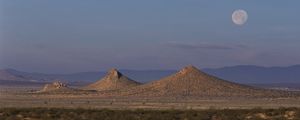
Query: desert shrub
x=140, y=114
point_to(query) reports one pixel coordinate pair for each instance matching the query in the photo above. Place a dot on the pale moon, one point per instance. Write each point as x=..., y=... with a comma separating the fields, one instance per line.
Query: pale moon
x=239, y=17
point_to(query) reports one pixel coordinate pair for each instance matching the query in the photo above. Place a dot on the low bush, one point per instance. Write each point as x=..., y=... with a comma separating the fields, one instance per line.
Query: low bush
x=140, y=114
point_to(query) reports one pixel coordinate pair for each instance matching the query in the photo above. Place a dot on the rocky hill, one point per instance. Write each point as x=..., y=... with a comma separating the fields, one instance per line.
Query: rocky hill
x=113, y=80
x=194, y=83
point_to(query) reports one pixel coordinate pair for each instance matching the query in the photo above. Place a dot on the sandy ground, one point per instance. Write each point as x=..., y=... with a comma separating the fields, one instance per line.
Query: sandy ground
x=19, y=97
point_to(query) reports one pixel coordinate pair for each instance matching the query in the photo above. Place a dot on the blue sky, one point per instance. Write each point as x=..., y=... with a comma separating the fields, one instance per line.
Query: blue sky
x=61, y=36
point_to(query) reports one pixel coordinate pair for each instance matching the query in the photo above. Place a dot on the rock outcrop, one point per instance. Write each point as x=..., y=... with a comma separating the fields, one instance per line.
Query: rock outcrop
x=54, y=86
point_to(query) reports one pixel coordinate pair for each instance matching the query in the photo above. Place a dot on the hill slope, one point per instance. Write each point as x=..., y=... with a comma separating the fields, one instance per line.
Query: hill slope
x=7, y=75
x=192, y=82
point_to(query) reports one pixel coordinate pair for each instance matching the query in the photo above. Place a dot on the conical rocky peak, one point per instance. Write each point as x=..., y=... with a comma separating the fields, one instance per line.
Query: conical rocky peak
x=114, y=73
x=113, y=80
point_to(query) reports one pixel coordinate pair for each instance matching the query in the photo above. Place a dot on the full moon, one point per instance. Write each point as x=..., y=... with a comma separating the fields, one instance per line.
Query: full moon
x=239, y=17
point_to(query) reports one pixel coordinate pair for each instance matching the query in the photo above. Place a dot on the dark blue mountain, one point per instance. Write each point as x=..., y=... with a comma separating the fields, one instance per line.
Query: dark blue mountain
x=257, y=74
x=88, y=77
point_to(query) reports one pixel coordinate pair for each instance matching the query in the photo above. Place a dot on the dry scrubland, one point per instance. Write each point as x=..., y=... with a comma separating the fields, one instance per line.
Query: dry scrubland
x=189, y=88
x=20, y=98
x=188, y=94
x=139, y=114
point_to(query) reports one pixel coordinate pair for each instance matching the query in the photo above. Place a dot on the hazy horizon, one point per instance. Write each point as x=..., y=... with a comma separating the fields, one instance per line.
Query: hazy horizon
x=162, y=69
x=77, y=36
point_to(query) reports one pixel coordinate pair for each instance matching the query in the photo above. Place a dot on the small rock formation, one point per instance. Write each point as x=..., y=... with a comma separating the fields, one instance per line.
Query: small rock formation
x=113, y=80
x=54, y=86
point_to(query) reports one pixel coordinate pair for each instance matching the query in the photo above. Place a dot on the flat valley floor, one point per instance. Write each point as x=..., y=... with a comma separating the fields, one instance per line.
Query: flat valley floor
x=18, y=97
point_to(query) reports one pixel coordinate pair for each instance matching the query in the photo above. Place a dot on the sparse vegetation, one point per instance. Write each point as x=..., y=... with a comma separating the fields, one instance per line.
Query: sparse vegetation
x=139, y=114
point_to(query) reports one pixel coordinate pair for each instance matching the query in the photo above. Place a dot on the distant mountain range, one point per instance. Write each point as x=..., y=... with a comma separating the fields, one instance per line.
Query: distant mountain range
x=257, y=74
x=139, y=75
x=241, y=74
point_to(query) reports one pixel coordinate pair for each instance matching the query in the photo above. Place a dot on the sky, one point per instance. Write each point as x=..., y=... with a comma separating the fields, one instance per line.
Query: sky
x=65, y=36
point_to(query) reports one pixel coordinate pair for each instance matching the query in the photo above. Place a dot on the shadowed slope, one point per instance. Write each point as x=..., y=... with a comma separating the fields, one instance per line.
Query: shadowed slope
x=6, y=75
x=114, y=80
